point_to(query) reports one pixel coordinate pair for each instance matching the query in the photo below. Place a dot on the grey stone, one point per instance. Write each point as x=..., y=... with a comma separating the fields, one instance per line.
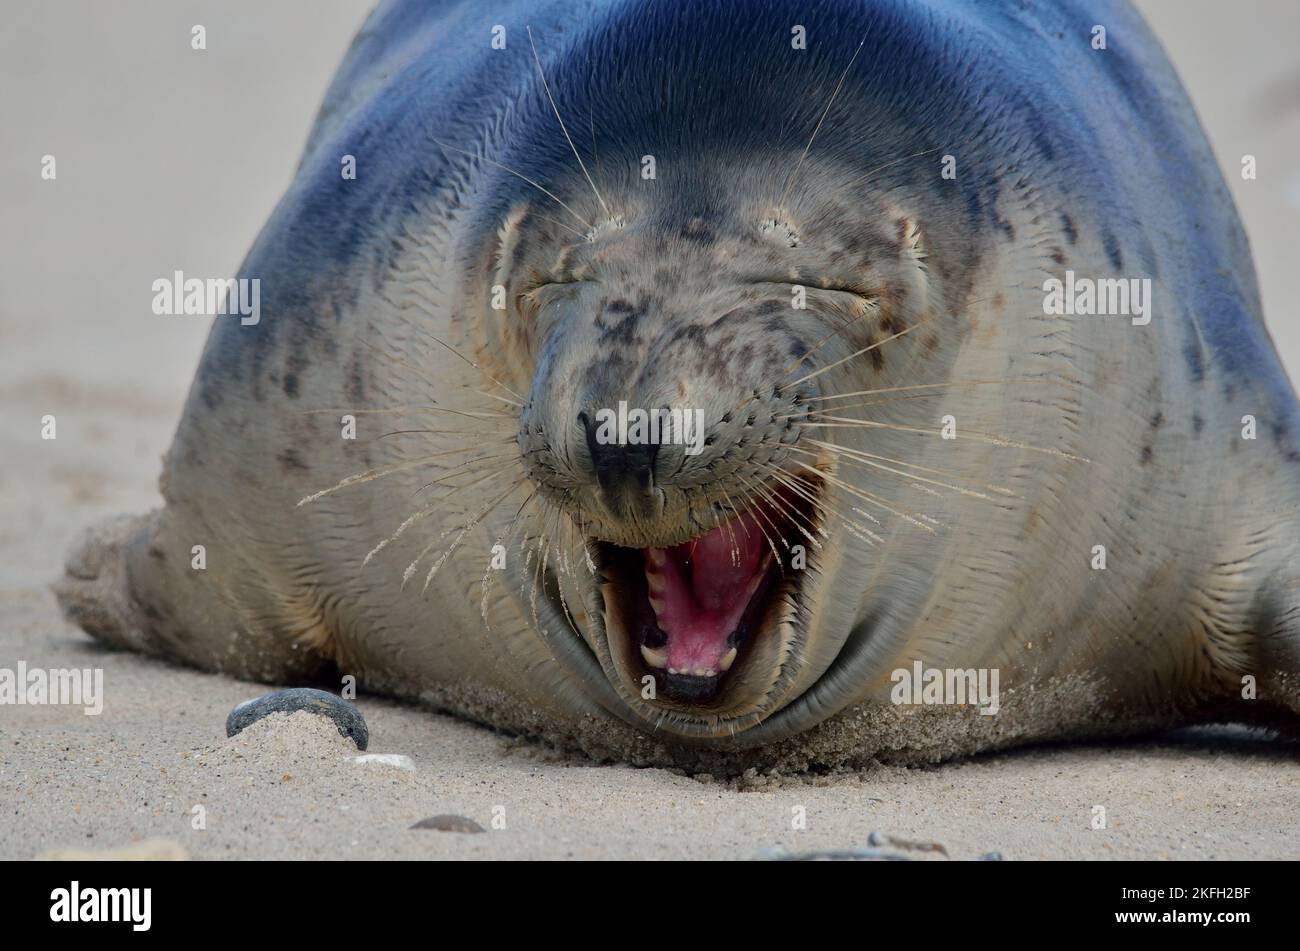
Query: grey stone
x=346, y=717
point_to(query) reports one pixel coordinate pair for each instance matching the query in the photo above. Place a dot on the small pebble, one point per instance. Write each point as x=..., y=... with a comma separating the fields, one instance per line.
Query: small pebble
x=346, y=717
x=449, y=823
x=387, y=759
x=879, y=839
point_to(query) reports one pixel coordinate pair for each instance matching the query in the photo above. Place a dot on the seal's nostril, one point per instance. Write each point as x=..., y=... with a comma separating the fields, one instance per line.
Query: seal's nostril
x=624, y=471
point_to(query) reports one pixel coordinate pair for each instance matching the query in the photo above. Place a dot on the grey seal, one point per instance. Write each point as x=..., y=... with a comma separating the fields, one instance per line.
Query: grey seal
x=839, y=236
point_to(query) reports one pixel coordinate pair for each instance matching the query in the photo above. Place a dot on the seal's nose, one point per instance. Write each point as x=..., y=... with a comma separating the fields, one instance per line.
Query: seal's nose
x=625, y=474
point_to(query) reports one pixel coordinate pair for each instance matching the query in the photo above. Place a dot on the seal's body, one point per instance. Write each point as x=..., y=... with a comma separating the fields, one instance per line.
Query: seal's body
x=833, y=234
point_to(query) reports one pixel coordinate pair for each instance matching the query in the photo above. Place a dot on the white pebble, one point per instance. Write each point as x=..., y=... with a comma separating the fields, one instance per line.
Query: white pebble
x=387, y=759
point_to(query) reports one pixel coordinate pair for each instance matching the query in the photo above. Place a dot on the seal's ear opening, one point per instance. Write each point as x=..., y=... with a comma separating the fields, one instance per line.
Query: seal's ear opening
x=778, y=229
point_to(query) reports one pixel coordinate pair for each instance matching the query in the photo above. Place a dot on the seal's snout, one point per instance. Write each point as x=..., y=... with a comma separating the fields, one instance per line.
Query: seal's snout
x=624, y=473
x=665, y=422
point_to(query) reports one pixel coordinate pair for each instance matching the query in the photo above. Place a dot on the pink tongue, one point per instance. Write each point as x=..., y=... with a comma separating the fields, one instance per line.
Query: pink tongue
x=723, y=562
x=700, y=590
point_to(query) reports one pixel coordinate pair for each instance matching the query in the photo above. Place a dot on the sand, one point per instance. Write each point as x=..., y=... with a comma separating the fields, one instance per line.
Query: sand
x=169, y=158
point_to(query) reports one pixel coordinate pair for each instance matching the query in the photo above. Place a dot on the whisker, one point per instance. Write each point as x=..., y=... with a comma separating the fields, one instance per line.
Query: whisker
x=489, y=576
x=893, y=162
x=494, y=396
x=844, y=325
x=865, y=496
x=505, y=168
x=561, y=555
x=844, y=406
x=482, y=513
x=789, y=479
x=835, y=447
x=485, y=586
x=847, y=422
x=460, y=469
x=850, y=456
x=442, y=343
x=540, y=554
x=735, y=546
x=772, y=498
x=547, y=86
x=558, y=223
x=921, y=386
x=425, y=513
x=539, y=576
x=378, y=473
x=756, y=507
x=791, y=512
x=477, y=436
x=830, y=102
x=370, y=412
x=851, y=356
x=562, y=551
x=401, y=361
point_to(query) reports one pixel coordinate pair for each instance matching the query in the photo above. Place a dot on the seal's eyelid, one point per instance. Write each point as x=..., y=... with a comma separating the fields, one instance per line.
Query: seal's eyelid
x=864, y=293
x=539, y=282
x=530, y=301
x=558, y=283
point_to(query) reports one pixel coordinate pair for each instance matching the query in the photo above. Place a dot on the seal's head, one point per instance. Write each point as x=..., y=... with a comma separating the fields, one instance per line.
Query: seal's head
x=677, y=355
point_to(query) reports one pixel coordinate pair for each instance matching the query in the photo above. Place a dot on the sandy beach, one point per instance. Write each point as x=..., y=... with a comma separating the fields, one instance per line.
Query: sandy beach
x=168, y=159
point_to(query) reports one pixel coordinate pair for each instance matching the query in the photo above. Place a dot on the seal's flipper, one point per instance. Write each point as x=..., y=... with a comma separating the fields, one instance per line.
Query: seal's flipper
x=94, y=593
x=1272, y=689
x=131, y=583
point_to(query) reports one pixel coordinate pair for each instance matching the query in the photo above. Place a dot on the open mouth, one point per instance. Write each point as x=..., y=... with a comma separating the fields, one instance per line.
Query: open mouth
x=694, y=615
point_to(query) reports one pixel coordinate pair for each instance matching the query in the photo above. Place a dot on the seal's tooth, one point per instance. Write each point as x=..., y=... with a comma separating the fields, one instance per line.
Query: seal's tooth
x=759, y=575
x=655, y=658
x=657, y=605
x=657, y=557
x=726, y=660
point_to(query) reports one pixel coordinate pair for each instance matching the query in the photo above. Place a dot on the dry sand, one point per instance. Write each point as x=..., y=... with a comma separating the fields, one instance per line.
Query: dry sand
x=169, y=159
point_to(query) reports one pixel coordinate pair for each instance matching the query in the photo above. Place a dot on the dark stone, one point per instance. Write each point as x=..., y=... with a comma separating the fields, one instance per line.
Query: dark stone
x=449, y=823
x=346, y=717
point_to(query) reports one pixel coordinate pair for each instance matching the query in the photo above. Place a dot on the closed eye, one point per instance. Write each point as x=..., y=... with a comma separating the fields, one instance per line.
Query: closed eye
x=864, y=293
x=543, y=292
